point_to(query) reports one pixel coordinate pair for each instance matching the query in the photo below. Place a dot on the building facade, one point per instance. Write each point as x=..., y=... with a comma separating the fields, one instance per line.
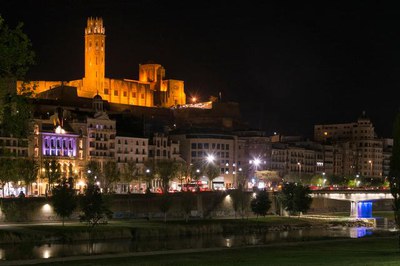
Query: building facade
x=198, y=147
x=361, y=149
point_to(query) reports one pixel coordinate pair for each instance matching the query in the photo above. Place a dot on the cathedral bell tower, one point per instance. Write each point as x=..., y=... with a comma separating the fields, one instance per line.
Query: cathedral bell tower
x=93, y=81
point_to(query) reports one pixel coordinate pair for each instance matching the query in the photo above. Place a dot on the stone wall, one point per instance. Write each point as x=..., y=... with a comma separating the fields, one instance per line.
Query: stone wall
x=149, y=206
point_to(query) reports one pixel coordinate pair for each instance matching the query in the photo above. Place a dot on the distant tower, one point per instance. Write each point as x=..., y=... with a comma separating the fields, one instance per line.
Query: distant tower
x=94, y=57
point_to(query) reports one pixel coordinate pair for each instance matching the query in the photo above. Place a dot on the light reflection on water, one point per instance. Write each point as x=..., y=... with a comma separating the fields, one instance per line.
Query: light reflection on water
x=30, y=251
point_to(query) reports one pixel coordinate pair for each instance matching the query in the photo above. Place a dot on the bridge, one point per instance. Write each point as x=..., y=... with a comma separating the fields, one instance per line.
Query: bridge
x=361, y=200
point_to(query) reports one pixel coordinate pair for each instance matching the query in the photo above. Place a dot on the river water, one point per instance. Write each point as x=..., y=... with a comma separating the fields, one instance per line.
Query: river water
x=55, y=249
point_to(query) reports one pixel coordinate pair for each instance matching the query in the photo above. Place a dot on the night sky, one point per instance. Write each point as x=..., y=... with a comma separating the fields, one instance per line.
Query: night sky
x=290, y=66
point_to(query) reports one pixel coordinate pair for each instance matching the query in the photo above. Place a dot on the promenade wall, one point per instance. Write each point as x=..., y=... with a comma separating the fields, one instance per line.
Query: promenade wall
x=150, y=206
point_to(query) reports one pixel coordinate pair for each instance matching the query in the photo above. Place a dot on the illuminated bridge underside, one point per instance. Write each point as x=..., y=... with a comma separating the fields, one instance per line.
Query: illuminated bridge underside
x=361, y=201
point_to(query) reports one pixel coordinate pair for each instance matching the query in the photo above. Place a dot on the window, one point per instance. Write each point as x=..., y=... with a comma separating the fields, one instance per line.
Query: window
x=134, y=94
x=106, y=91
x=194, y=145
x=115, y=93
x=125, y=94
x=142, y=95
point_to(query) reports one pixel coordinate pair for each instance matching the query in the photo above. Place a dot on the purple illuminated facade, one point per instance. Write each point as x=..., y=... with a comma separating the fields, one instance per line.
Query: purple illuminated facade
x=63, y=145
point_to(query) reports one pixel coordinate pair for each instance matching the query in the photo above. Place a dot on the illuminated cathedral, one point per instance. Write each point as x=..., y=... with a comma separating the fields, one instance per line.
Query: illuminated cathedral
x=151, y=90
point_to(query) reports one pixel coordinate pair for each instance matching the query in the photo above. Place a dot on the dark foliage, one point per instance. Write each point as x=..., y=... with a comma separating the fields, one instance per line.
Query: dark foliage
x=261, y=203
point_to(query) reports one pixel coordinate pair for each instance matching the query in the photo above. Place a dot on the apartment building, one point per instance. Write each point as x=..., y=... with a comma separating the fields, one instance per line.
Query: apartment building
x=221, y=148
x=362, y=150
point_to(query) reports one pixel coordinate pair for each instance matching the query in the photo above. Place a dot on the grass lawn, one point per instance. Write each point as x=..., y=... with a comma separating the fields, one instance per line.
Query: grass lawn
x=121, y=224
x=363, y=251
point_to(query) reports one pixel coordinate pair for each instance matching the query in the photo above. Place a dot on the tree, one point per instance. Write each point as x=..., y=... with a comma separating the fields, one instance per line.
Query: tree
x=212, y=171
x=28, y=170
x=93, y=171
x=64, y=199
x=196, y=171
x=241, y=176
x=111, y=175
x=394, y=173
x=182, y=172
x=261, y=203
x=149, y=173
x=7, y=171
x=130, y=172
x=93, y=207
x=337, y=180
x=52, y=171
x=16, y=56
x=296, y=198
x=166, y=170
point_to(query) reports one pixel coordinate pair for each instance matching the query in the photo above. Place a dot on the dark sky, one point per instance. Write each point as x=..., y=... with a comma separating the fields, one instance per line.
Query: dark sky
x=290, y=66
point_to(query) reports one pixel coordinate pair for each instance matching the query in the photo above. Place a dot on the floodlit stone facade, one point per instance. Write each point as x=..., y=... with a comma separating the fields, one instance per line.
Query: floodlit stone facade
x=151, y=90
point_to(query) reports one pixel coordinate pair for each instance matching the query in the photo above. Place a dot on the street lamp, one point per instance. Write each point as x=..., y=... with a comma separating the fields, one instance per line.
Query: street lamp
x=357, y=181
x=148, y=181
x=256, y=162
x=299, y=164
x=210, y=158
x=370, y=162
x=323, y=179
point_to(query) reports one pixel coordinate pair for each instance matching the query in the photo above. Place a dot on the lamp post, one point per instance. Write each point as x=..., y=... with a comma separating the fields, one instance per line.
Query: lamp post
x=148, y=180
x=256, y=162
x=357, y=181
x=299, y=164
x=370, y=163
x=323, y=179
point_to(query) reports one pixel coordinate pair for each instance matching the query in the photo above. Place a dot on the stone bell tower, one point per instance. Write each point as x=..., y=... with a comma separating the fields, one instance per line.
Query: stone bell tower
x=95, y=37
